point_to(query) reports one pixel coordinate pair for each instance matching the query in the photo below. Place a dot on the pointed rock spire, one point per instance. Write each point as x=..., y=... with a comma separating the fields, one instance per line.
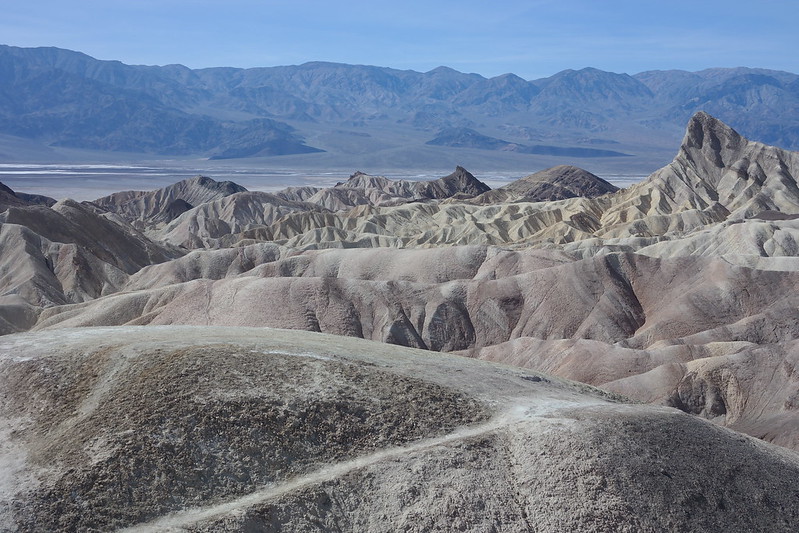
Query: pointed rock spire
x=712, y=138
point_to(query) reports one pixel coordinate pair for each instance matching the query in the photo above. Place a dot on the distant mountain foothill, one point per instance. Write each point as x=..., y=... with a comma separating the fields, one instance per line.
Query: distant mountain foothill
x=58, y=98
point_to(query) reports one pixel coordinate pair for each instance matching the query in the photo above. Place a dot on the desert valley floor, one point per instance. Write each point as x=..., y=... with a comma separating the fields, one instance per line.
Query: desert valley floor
x=556, y=354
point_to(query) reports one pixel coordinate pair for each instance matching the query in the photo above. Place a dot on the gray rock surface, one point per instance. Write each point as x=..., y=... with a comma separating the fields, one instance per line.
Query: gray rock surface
x=634, y=314
x=235, y=429
x=8, y=198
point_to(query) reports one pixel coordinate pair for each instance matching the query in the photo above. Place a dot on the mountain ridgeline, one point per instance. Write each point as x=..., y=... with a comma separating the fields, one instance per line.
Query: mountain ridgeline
x=59, y=98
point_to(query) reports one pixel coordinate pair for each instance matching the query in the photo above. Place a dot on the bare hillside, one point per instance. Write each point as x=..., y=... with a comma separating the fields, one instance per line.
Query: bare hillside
x=236, y=429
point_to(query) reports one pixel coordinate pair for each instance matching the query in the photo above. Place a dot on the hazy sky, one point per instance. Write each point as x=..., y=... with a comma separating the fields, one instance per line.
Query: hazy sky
x=532, y=38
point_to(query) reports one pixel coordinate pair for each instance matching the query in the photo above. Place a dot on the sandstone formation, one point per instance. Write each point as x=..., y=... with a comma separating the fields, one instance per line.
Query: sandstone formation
x=235, y=429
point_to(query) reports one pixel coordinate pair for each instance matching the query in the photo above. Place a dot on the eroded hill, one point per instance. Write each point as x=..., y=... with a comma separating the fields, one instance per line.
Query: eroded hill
x=238, y=429
x=680, y=290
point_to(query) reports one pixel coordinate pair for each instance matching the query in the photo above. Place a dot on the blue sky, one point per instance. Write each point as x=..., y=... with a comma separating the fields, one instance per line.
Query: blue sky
x=533, y=38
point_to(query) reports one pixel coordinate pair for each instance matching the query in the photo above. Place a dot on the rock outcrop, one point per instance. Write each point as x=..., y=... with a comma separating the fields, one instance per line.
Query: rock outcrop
x=8, y=198
x=147, y=209
x=556, y=183
x=716, y=175
x=363, y=189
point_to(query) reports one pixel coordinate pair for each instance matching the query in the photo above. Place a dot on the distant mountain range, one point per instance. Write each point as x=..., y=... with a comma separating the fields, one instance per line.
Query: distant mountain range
x=54, y=98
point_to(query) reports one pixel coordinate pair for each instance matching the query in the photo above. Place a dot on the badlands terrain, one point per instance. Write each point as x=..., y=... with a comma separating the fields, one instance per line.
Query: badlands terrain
x=678, y=297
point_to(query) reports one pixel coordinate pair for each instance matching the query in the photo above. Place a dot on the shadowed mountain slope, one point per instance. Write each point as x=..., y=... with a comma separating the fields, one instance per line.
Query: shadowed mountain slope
x=8, y=198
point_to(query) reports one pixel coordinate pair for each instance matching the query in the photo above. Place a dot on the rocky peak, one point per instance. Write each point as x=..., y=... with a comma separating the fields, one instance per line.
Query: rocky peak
x=574, y=181
x=203, y=182
x=6, y=190
x=555, y=183
x=362, y=180
x=462, y=181
x=8, y=198
x=706, y=137
x=719, y=170
x=175, y=209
